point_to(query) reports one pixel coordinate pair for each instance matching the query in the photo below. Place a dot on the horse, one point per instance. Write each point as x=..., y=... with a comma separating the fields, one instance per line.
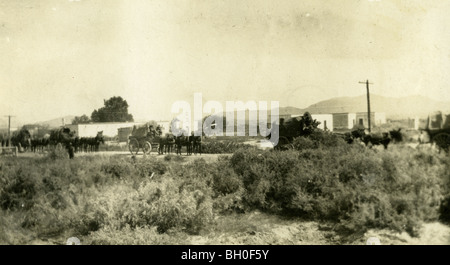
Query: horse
x=21, y=139
x=62, y=136
x=383, y=138
x=166, y=143
x=83, y=144
x=94, y=142
x=40, y=144
x=3, y=140
x=77, y=145
x=377, y=139
x=396, y=135
x=181, y=141
x=36, y=145
x=196, y=144
x=44, y=142
x=88, y=144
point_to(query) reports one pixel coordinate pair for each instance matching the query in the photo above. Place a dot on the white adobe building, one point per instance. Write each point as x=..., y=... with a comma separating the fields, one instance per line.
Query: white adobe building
x=91, y=129
x=349, y=120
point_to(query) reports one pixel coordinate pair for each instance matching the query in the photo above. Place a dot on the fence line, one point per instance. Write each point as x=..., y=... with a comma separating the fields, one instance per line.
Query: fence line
x=9, y=150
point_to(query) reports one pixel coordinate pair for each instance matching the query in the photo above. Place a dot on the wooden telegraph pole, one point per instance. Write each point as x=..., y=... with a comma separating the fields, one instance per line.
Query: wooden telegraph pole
x=368, y=101
x=9, y=129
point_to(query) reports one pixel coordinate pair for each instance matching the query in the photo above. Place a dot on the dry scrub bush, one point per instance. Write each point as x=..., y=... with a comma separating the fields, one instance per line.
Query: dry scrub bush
x=356, y=187
x=98, y=199
x=223, y=147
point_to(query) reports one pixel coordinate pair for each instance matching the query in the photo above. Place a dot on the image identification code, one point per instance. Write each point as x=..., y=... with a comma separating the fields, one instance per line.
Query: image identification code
x=237, y=254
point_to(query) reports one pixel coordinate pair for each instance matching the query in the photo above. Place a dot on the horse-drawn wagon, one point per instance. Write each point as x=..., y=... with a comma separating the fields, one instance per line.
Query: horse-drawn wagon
x=144, y=137
x=62, y=137
x=437, y=130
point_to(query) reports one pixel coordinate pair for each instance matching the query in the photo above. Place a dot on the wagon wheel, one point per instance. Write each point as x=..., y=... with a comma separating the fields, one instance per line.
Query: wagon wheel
x=442, y=140
x=147, y=148
x=133, y=146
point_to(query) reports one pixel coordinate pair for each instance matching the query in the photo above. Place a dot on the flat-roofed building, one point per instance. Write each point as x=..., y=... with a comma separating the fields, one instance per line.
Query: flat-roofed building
x=343, y=121
x=110, y=129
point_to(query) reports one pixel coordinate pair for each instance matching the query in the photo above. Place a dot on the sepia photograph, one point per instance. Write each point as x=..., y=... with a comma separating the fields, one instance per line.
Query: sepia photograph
x=224, y=123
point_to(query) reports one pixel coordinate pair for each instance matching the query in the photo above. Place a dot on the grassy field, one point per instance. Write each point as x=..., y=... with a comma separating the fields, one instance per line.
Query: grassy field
x=328, y=192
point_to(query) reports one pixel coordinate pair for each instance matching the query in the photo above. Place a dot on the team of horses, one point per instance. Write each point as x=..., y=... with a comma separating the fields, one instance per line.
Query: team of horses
x=58, y=138
x=193, y=144
x=66, y=138
x=20, y=139
x=371, y=139
x=169, y=142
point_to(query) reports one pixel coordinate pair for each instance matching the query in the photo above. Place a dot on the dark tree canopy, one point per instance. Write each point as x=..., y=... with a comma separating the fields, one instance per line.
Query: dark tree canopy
x=115, y=110
x=307, y=124
x=303, y=127
x=81, y=119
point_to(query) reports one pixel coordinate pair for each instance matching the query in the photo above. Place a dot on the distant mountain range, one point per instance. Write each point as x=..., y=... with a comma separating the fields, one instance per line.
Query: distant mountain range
x=395, y=108
x=54, y=123
x=57, y=122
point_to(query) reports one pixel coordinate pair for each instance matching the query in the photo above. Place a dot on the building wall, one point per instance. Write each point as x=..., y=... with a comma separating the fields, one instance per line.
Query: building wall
x=346, y=121
x=361, y=119
x=91, y=129
x=342, y=121
x=351, y=120
x=376, y=118
x=325, y=120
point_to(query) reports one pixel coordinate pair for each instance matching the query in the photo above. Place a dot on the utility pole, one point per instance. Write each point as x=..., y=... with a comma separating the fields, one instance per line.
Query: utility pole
x=9, y=129
x=368, y=101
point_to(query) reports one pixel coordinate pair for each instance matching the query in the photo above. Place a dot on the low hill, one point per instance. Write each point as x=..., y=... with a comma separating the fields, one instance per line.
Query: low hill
x=395, y=108
x=57, y=121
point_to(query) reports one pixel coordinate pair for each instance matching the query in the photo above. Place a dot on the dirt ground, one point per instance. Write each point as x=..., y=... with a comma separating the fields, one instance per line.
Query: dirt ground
x=262, y=229
x=126, y=154
x=430, y=234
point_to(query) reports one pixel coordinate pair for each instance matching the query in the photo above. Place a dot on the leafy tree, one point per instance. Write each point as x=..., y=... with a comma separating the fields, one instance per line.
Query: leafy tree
x=294, y=128
x=298, y=127
x=115, y=110
x=307, y=124
x=81, y=119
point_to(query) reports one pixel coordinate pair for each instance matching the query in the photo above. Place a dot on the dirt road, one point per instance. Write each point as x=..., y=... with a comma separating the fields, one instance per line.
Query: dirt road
x=125, y=154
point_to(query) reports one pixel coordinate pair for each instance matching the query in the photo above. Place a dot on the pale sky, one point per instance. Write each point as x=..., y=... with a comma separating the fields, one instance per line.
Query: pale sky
x=64, y=57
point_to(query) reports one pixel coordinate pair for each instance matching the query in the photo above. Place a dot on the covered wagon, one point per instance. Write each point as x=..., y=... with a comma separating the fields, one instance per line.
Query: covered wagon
x=145, y=137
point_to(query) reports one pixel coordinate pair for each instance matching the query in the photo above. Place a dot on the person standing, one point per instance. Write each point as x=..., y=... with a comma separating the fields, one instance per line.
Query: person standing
x=70, y=150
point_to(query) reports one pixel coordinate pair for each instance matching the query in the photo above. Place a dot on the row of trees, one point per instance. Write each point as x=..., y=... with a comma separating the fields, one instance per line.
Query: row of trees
x=115, y=109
